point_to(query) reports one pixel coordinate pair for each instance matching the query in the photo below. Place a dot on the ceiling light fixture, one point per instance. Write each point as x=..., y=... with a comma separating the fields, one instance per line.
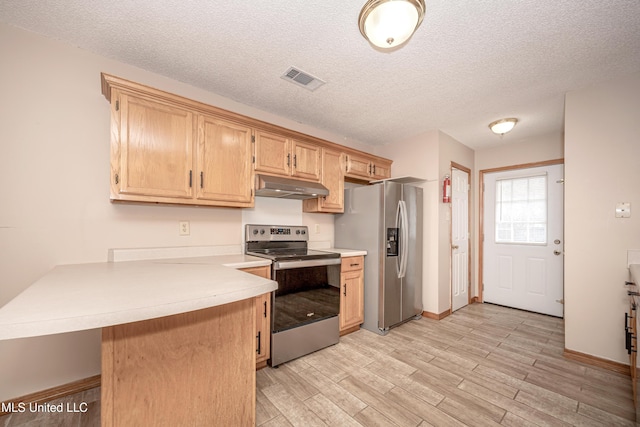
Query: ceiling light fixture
x=502, y=126
x=390, y=23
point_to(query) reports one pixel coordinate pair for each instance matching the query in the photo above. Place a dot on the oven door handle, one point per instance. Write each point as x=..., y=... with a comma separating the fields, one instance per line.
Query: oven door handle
x=286, y=265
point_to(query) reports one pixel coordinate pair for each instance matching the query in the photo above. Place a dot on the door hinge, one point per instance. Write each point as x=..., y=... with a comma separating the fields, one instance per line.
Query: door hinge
x=117, y=105
x=561, y=301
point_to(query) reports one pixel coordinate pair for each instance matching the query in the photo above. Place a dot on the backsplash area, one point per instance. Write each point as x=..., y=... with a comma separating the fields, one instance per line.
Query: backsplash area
x=274, y=211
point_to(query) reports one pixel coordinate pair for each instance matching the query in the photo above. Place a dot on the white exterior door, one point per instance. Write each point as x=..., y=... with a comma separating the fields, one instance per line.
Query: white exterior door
x=459, y=239
x=523, y=259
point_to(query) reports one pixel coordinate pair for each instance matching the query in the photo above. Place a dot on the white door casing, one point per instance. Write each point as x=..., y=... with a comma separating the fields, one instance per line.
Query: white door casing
x=523, y=264
x=459, y=239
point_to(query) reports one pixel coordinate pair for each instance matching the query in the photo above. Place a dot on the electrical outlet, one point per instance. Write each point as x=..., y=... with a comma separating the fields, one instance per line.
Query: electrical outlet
x=623, y=210
x=184, y=228
x=317, y=229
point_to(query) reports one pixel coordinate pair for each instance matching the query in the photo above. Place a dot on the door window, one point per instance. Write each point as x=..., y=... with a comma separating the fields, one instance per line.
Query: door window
x=521, y=210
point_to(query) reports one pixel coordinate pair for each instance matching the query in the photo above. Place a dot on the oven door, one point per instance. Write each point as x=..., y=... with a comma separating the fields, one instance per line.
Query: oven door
x=308, y=292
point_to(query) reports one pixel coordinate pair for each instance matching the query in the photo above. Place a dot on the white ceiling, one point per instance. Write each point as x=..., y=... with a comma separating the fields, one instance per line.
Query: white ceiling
x=471, y=62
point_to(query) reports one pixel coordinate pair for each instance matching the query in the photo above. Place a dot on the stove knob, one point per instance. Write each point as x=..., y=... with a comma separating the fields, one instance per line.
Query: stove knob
x=255, y=231
x=262, y=231
x=297, y=231
x=304, y=232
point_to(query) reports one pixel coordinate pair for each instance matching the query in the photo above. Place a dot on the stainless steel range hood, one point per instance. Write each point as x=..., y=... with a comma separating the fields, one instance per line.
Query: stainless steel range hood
x=287, y=188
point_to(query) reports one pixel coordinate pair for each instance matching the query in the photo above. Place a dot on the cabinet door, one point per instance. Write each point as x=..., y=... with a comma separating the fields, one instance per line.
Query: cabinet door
x=351, y=299
x=380, y=171
x=358, y=167
x=154, y=156
x=332, y=178
x=273, y=154
x=306, y=161
x=263, y=318
x=224, y=162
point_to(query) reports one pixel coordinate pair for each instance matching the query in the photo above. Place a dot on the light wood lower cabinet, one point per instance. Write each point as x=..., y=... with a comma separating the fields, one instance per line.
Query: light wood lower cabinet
x=193, y=369
x=631, y=343
x=263, y=319
x=351, y=294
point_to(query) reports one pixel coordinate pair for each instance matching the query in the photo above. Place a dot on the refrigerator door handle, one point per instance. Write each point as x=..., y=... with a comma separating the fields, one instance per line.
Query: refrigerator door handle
x=404, y=238
x=399, y=237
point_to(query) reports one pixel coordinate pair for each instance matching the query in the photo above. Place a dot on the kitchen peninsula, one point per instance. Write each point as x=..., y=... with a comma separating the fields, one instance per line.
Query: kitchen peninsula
x=177, y=334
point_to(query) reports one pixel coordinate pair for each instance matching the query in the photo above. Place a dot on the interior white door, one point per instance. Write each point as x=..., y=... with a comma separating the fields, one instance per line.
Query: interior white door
x=523, y=258
x=459, y=239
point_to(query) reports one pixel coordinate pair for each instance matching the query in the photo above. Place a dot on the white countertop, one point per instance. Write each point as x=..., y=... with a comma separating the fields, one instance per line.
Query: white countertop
x=87, y=296
x=345, y=252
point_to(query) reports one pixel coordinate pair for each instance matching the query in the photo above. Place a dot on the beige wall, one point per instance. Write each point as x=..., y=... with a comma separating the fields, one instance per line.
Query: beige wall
x=429, y=156
x=451, y=151
x=418, y=157
x=602, y=167
x=531, y=150
x=54, y=187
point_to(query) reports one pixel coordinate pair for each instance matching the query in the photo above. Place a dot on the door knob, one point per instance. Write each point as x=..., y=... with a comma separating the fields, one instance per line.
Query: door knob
x=557, y=252
x=557, y=241
x=454, y=246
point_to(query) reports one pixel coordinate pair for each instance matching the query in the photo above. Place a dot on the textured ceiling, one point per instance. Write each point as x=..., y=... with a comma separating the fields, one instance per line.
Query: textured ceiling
x=471, y=62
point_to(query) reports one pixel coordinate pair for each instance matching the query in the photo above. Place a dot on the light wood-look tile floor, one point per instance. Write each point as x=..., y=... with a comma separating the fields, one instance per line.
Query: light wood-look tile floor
x=484, y=365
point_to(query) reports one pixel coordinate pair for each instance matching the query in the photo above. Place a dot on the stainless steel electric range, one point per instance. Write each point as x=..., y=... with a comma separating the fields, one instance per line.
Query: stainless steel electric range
x=305, y=306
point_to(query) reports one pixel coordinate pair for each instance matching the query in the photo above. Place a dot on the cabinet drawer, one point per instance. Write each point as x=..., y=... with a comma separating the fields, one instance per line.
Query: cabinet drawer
x=352, y=263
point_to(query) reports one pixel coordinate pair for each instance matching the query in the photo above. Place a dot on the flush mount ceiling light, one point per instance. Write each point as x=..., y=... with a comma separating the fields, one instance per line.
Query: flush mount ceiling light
x=502, y=126
x=390, y=23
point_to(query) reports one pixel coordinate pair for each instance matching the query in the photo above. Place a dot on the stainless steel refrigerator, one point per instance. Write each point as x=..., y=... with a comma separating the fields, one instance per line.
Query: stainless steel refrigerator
x=385, y=219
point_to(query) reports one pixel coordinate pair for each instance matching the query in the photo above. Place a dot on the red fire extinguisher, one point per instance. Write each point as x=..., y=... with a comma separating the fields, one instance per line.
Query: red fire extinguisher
x=446, y=190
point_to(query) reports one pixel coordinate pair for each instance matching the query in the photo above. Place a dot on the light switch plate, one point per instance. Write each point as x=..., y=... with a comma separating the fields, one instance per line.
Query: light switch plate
x=623, y=210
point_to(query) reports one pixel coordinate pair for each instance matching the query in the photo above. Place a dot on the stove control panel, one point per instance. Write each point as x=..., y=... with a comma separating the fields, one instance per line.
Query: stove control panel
x=256, y=232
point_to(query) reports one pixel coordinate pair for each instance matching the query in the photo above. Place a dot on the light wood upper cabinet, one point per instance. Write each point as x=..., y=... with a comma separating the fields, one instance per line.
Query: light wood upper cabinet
x=166, y=149
x=333, y=179
x=272, y=153
x=367, y=168
x=306, y=160
x=224, y=161
x=381, y=170
x=152, y=154
x=170, y=149
x=278, y=155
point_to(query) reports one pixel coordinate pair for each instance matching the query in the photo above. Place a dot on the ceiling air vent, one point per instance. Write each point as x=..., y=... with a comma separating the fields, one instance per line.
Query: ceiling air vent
x=303, y=79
